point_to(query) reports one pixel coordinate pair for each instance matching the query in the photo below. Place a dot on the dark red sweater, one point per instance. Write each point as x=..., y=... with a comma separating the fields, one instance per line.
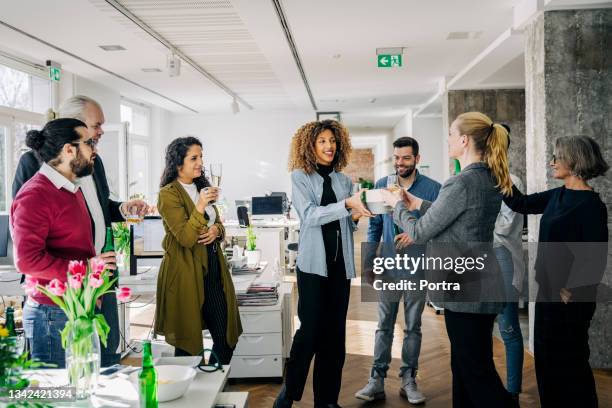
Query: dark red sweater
x=51, y=227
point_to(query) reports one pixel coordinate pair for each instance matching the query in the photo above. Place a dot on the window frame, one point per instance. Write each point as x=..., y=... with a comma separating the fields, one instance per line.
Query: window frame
x=141, y=140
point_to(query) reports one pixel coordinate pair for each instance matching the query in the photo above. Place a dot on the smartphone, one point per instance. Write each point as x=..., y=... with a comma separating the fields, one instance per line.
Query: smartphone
x=114, y=369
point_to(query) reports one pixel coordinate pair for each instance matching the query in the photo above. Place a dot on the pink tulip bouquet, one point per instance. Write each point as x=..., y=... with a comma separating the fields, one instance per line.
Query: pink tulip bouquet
x=86, y=283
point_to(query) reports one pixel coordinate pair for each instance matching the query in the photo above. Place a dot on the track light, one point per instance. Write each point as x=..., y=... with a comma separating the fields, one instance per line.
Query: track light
x=235, y=106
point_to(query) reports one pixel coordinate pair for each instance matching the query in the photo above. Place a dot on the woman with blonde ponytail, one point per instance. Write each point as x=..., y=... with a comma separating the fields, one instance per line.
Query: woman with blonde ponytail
x=464, y=215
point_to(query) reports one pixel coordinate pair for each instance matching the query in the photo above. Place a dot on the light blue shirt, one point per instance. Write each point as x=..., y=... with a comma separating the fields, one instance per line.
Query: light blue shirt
x=306, y=197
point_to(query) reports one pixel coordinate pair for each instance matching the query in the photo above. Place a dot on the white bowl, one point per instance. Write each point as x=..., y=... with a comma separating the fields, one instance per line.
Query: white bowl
x=186, y=361
x=172, y=381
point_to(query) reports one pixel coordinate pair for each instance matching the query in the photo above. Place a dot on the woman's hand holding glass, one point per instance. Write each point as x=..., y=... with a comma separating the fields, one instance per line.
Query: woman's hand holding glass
x=411, y=202
x=354, y=202
x=208, y=195
x=208, y=235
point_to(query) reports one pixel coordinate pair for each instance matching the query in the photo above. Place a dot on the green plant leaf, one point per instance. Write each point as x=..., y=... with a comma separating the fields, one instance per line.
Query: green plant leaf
x=102, y=327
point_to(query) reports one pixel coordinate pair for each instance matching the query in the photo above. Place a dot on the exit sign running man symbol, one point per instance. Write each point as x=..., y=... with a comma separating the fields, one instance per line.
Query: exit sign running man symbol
x=389, y=61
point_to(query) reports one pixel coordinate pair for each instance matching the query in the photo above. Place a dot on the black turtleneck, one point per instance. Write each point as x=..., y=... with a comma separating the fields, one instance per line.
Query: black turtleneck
x=331, y=231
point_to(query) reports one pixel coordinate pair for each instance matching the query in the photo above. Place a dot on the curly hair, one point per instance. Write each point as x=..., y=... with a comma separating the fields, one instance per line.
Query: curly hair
x=175, y=157
x=302, y=151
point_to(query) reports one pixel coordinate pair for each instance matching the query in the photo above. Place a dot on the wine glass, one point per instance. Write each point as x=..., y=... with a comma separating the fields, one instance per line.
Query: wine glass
x=215, y=176
x=392, y=182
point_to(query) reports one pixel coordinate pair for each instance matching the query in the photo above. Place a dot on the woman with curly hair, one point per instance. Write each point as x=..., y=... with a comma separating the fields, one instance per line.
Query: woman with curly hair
x=325, y=264
x=194, y=287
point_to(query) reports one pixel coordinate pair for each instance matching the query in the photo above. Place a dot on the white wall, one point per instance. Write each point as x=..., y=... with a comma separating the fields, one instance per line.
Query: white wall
x=253, y=147
x=403, y=127
x=432, y=145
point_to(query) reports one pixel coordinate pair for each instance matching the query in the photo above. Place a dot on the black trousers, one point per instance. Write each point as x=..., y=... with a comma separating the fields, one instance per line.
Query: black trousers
x=322, y=307
x=561, y=351
x=214, y=311
x=475, y=380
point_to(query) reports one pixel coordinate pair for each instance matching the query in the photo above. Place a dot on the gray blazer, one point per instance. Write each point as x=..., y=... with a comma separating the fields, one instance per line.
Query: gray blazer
x=464, y=212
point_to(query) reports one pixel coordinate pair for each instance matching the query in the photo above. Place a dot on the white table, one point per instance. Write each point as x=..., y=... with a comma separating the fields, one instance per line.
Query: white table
x=204, y=391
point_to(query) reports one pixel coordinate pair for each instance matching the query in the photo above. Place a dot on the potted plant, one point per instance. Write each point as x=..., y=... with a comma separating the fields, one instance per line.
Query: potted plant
x=252, y=253
x=121, y=234
x=86, y=282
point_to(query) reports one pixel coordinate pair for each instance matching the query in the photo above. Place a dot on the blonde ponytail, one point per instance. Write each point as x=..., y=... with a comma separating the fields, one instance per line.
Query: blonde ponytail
x=491, y=139
x=496, y=156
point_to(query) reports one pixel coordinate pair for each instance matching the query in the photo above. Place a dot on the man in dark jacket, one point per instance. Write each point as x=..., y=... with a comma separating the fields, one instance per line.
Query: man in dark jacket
x=102, y=210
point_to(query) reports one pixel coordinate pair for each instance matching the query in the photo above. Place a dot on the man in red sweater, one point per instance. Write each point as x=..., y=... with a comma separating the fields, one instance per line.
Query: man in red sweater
x=51, y=227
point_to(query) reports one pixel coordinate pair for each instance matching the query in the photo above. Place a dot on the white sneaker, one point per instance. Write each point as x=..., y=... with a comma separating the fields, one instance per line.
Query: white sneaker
x=374, y=390
x=409, y=389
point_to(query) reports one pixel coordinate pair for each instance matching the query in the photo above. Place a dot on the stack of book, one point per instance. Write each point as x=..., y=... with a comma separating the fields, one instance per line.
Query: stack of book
x=259, y=294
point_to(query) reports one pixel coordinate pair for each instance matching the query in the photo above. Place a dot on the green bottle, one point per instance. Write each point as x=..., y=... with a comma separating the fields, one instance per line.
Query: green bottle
x=109, y=241
x=147, y=379
x=10, y=322
x=109, y=246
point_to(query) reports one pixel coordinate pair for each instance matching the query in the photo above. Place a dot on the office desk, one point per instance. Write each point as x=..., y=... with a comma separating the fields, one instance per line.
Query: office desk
x=267, y=330
x=204, y=391
x=272, y=237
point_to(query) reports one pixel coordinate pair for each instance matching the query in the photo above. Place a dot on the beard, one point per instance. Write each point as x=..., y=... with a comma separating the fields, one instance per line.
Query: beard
x=406, y=171
x=82, y=167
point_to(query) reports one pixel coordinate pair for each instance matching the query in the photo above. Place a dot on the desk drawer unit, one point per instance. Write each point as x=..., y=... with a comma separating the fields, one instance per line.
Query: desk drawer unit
x=261, y=322
x=259, y=344
x=256, y=366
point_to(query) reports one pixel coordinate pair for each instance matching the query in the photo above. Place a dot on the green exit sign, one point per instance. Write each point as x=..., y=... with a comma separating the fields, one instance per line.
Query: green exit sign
x=389, y=60
x=54, y=73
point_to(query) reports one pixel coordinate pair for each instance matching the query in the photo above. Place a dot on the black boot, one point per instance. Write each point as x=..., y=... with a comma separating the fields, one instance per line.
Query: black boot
x=282, y=400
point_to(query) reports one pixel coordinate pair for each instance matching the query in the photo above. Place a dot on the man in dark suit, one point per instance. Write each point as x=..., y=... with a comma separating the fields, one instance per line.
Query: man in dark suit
x=102, y=210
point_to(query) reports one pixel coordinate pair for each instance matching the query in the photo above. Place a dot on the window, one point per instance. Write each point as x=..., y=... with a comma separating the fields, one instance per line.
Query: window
x=24, y=98
x=23, y=91
x=138, y=168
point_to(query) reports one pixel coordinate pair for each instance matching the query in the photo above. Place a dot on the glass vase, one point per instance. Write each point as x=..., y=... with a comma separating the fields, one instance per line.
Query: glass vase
x=83, y=361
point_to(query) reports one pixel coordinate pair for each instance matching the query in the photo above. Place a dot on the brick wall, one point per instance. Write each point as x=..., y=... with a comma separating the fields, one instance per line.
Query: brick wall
x=361, y=165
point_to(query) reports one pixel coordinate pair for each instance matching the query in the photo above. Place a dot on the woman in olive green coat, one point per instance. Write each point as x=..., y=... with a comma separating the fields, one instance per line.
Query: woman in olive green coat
x=194, y=287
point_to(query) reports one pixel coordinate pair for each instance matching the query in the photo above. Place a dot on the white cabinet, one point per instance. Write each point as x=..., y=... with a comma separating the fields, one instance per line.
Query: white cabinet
x=267, y=330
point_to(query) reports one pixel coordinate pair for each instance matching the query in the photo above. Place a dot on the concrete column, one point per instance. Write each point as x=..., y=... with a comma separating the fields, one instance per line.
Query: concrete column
x=502, y=106
x=568, y=64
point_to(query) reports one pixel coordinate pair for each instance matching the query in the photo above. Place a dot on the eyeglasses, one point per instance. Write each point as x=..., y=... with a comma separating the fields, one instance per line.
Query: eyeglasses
x=91, y=142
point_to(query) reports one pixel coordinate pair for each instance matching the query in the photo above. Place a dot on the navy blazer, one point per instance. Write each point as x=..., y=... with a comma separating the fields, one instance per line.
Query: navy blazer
x=30, y=163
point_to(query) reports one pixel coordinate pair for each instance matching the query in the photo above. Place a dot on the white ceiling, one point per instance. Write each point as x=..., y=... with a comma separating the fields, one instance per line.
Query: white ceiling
x=242, y=44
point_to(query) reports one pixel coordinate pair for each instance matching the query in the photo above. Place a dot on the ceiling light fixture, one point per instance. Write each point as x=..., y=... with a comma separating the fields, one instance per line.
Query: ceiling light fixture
x=151, y=70
x=174, y=65
x=112, y=47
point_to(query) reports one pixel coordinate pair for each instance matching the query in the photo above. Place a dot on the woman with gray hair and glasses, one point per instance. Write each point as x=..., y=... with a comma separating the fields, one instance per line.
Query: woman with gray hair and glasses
x=575, y=219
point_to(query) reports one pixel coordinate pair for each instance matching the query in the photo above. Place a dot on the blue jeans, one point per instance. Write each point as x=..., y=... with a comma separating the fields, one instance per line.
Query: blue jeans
x=42, y=325
x=388, y=305
x=509, y=326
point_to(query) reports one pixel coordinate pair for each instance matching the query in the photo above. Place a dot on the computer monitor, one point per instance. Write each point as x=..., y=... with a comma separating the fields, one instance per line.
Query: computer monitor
x=264, y=207
x=4, y=235
x=146, y=240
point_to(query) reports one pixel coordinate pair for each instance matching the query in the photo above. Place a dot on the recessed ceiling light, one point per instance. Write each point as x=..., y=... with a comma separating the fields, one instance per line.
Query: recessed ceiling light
x=336, y=56
x=112, y=47
x=463, y=35
x=151, y=70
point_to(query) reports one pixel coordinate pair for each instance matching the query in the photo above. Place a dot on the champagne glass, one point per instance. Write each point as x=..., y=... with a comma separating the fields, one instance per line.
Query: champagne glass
x=215, y=175
x=392, y=182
